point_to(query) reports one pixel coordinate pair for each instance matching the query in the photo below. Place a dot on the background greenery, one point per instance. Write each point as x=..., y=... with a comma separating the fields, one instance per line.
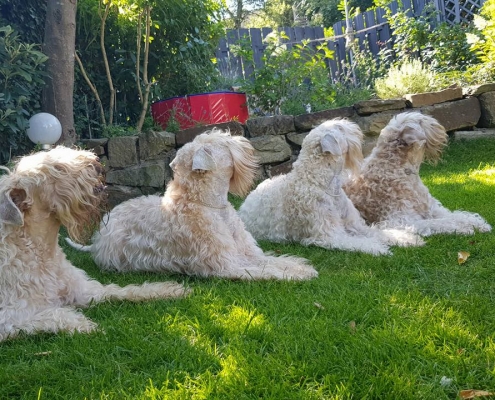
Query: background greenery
x=388, y=327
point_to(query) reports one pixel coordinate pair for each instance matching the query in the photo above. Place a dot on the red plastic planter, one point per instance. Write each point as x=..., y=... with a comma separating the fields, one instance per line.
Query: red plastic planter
x=202, y=108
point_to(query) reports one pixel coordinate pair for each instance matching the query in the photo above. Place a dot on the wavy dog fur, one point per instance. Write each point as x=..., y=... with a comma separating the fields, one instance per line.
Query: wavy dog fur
x=39, y=287
x=193, y=229
x=388, y=190
x=308, y=204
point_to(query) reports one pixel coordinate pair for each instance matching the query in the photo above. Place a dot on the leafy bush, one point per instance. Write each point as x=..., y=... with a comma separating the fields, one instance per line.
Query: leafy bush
x=409, y=77
x=21, y=77
x=290, y=79
x=442, y=46
x=483, y=43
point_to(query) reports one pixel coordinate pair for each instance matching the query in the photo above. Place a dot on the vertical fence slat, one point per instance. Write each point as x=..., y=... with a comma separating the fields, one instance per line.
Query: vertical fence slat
x=369, y=18
x=359, y=26
x=247, y=65
x=384, y=34
x=257, y=47
x=236, y=63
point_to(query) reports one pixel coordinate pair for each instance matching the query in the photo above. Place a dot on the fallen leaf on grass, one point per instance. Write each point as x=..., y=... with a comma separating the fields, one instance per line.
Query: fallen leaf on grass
x=473, y=393
x=352, y=326
x=462, y=257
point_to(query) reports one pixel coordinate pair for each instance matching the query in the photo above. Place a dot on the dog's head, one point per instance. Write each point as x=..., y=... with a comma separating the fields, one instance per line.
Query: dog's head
x=62, y=183
x=336, y=142
x=421, y=136
x=216, y=155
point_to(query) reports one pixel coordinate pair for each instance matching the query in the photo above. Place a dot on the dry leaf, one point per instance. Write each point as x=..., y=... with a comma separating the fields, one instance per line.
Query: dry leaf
x=462, y=257
x=318, y=305
x=473, y=393
x=352, y=326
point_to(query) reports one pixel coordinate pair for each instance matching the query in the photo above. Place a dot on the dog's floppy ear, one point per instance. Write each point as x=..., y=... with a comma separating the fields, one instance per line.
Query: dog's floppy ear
x=203, y=160
x=413, y=134
x=330, y=144
x=245, y=165
x=11, y=205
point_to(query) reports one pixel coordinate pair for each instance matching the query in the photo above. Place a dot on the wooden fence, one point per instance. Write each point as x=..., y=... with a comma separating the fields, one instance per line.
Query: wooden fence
x=370, y=28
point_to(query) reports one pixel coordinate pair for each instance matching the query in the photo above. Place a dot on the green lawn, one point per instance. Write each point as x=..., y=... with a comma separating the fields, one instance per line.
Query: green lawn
x=385, y=327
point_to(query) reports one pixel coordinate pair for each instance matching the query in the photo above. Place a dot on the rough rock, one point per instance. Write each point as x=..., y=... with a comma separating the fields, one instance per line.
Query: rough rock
x=487, y=104
x=188, y=135
x=378, y=105
x=273, y=125
x=118, y=194
x=296, y=138
x=122, y=151
x=306, y=122
x=478, y=89
x=152, y=145
x=146, y=174
x=271, y=149
x=457, y=114
x=427, y=99
x=373, y=124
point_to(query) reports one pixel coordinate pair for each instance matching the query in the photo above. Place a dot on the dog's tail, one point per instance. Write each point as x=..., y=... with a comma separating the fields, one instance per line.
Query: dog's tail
x=78, y=246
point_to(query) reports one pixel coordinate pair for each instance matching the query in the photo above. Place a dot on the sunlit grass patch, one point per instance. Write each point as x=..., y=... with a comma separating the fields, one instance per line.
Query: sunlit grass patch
x=388, y=327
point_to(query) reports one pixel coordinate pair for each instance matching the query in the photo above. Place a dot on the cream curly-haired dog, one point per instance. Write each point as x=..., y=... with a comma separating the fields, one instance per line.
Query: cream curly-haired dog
x=388, y=189
x=193, y=229
x=308, y=204
x=39, y=288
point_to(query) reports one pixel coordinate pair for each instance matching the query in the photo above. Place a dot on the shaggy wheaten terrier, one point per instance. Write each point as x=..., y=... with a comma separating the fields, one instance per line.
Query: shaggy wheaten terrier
x=39, y=288
x=193, y=229
x=308, y=204
x=388, y=189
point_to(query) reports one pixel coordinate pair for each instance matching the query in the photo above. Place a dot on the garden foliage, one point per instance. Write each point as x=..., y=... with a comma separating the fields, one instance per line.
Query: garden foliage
x=21, y=77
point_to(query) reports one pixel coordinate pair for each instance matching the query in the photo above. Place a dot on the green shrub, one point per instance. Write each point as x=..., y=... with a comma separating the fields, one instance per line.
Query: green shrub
x=21, y=77
x=290, y=79
x=409, y=77
x=483, y=44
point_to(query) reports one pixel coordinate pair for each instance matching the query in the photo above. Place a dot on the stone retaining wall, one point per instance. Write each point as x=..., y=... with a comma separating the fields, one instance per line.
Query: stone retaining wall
x=139, y=165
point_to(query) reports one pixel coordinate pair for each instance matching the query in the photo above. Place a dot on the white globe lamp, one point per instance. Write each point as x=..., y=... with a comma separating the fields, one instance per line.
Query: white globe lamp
x=44, y=129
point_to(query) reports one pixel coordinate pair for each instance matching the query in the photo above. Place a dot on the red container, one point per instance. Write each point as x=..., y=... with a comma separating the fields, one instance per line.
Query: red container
x=203, y=108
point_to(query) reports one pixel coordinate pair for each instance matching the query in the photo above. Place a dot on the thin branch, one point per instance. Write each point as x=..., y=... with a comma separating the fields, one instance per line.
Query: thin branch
x=92, y=87
x=145, y=71
x=138, y=59
x=105, y=60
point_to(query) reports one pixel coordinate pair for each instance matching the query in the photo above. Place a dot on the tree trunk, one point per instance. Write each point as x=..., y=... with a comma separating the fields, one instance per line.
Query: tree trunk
x=59, y=46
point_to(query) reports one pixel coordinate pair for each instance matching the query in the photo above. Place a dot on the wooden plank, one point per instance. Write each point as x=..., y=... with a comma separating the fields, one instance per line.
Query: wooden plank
x=298, y=33
x=394, y=7
x=289, y=31
x=236, y=63
x=384, y=33
x=408, y=8
x=372, y=35
x=257, y=46
x=359, y=26
x=339, y=29
x=247, y=64
x=332, y=63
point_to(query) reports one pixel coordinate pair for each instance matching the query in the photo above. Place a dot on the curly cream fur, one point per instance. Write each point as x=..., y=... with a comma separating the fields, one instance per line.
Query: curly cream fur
x=39, y=287
x=308, y=204
x=388, y=189
x=193, y=229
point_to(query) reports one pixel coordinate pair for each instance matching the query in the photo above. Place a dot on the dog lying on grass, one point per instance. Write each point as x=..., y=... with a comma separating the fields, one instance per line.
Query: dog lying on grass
x=39, y=287
x=308, y=205
x=388, y=189
x=193, y=229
